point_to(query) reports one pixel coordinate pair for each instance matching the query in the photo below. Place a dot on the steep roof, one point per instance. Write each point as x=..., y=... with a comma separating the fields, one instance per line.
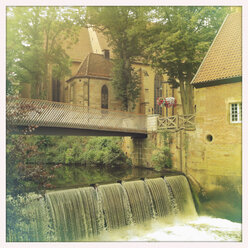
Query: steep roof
x=224, y=57
x=94, y=66
x=78, y=51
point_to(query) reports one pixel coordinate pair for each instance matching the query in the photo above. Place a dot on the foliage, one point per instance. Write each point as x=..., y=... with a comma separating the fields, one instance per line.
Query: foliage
x=126, y=83
x=177, y=40
x=173, y=40
x=21, y=177
x=37, y=38
x=122, y=26
x=98, y=151
x=162, y=158
x=27, y=219
x=103, y=151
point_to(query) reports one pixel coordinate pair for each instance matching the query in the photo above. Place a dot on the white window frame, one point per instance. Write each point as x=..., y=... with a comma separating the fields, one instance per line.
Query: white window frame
x=236, y=114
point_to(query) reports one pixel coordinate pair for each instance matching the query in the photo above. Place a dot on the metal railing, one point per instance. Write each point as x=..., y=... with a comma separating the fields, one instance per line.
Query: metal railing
x=56, y=114
x=177, y=122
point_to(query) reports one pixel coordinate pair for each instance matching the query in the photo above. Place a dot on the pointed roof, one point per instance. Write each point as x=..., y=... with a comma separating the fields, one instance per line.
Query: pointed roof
x=81, y=48
x=224, y=58
x=78, y=51
x=94, y=66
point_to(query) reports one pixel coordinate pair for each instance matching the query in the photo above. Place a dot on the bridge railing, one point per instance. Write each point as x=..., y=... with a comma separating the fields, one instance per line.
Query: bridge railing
x=56, y=114
x=177, y=122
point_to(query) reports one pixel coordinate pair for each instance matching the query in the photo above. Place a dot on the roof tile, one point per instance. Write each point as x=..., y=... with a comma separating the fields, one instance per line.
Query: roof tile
x=224, y=57
x=94, y=65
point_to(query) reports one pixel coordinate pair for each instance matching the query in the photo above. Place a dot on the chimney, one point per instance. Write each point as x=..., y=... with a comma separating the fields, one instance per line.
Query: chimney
x=105, y=53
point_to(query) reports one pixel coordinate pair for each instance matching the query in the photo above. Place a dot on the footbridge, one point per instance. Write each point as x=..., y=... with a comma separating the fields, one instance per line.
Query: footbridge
x=56, y=118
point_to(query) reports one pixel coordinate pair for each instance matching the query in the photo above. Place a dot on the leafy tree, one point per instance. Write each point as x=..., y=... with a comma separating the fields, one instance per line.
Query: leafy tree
x=22, y=177
x=36, y=38
x=162, y=157
x=105, y=151
x=177, y=40
x=122, y=25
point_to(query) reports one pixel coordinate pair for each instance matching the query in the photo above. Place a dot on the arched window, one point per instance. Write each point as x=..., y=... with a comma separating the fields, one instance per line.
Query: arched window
x=157, y=93
x=104, y=97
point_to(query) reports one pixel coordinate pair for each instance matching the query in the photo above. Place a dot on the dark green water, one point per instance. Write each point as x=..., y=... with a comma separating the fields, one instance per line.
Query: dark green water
x=80, y=176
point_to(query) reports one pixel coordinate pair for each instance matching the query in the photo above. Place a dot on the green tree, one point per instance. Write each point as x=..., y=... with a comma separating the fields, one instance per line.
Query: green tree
x=36, y=40
x=123, y=27
x=177, y=40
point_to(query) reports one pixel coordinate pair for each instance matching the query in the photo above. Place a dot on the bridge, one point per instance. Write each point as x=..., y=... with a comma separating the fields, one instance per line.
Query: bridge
x=56, y=118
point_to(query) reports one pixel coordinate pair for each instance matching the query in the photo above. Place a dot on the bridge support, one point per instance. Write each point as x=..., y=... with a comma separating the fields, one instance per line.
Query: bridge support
x=140, y=150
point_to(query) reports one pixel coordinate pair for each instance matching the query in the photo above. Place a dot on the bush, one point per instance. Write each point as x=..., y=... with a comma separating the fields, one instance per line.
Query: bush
x=162, y=158
x=27, y=219
x=105, y=151
x=98, y=151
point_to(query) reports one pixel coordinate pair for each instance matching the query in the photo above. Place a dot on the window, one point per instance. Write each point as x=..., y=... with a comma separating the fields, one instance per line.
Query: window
x=71, y=93
x=104, y=97
x=236, y=112
x=157, y=93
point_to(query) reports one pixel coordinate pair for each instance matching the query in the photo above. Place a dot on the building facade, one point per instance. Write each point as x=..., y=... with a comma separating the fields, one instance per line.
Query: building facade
x=90, y=81
x=214, y=150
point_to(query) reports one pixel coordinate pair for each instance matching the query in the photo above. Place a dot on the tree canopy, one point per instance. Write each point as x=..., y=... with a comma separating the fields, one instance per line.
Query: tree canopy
x=176, y=42
x=173, y=40
x=36, y=38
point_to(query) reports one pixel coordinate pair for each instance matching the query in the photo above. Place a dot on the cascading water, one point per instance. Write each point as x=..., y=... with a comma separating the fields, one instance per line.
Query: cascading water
x=160, y=196
x=140, y=201
x=182, y=195
x=76, y=213
x=115, y=205
x=90, y=213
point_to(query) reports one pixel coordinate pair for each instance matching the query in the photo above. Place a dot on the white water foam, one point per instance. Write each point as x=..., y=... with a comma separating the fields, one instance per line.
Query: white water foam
x=201, y=229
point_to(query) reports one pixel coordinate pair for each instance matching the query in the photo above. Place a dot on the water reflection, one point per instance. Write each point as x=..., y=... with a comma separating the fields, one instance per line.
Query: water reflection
x=81, y=176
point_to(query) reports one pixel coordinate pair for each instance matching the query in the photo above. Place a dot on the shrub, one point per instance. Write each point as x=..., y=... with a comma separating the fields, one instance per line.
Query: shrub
x=161, y=157
x=105, y=151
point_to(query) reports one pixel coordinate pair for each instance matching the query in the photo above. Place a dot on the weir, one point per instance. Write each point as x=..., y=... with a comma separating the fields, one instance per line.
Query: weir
x=83, y=213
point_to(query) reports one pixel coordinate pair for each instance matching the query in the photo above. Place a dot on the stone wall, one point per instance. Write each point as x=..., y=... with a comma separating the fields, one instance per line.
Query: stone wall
x=214, y=150
x=140, y=150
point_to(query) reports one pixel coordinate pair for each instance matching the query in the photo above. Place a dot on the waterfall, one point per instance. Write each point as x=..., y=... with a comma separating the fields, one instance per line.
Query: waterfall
x=84, y=213
x=160, y=196
x=182, y=195
x=140, y=201
x=115, y=206
x=75, y=213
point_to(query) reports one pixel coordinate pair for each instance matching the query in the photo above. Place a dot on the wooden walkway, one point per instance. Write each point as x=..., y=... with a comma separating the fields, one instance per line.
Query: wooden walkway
x=67, y=119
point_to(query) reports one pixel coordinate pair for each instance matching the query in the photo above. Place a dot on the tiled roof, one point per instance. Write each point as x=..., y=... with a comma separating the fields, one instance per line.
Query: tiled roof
x=94, y=65
x=224, y=57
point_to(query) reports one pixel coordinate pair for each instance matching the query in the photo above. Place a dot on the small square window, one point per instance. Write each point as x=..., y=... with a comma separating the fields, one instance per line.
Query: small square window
x=236, y=112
